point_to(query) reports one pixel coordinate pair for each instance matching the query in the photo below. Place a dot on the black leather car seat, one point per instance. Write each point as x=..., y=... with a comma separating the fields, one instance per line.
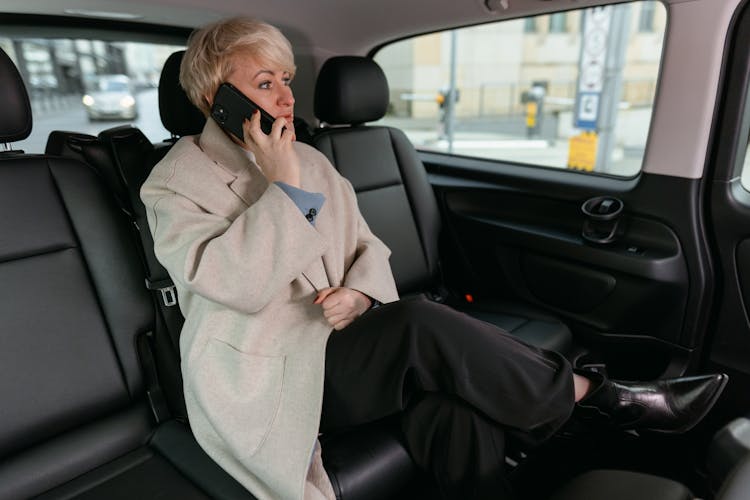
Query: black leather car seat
x=395, y=196
x=75, y=356
x=727, y=463
x=124, y=157
x=178, y=115
x=364, y=463
x=621, y=485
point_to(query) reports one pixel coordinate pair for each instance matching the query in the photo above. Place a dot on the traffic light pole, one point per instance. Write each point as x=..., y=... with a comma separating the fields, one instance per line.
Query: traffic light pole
x=450, y=110
x=612, y=90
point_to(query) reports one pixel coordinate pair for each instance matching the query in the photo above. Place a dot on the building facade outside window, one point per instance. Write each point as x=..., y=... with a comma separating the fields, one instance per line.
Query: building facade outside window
x=646, y=18
x=558, y=23
x=580, y=102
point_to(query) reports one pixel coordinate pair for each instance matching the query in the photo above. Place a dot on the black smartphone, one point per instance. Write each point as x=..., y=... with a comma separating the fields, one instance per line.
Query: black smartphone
x=231, y=107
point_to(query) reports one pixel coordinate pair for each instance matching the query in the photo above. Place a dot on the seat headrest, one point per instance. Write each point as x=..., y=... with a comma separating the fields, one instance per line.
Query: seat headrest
x=350, y=90
x=16, y=122
x=178, y=114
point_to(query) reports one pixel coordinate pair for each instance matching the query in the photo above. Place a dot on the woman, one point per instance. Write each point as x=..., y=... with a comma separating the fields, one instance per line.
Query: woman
x=269, y=254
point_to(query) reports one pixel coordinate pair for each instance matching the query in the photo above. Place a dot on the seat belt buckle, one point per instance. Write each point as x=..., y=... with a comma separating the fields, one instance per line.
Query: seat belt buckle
x=167, y=290
x=169, y=296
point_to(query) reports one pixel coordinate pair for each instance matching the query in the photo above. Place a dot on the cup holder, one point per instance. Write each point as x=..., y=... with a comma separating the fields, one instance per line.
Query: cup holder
x=602, y=219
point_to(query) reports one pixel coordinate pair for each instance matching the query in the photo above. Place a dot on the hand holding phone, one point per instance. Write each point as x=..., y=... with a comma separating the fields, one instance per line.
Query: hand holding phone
x=231, y=107
x=273, y=154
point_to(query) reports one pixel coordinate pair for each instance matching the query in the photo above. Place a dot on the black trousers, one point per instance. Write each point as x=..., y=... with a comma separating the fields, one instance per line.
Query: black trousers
x=458, y=383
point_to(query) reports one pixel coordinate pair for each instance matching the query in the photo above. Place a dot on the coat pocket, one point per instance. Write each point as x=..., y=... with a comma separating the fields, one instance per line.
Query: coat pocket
x=239, y=393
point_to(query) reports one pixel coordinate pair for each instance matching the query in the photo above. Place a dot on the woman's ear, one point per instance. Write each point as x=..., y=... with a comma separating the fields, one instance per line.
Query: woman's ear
x=209, y=100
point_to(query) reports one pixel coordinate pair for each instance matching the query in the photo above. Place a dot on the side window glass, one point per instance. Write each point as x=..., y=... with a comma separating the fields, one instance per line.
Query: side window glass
x=87, y=86
x=568, y=90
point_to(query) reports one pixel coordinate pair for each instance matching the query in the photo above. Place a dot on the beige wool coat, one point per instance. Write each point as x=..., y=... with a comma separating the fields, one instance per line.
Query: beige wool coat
x=246, y=264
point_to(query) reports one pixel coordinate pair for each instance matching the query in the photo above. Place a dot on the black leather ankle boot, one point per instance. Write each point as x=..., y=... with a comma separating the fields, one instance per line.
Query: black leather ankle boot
x=669, y=405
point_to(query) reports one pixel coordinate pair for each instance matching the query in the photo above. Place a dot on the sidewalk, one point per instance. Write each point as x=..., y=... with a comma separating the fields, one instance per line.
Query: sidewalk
x=512, y=148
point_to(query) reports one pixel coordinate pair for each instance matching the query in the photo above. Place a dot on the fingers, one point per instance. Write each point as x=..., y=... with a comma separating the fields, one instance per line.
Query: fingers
x=336, y=301
x=246, y=126
x=251, y=129
x=338, y=312
x=342, y=324
x=322, y=294
x=340, y=320
x=278, y=128
x=340, y=306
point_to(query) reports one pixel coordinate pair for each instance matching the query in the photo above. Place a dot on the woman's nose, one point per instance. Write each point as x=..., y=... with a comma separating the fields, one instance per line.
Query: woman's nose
x=286, y=97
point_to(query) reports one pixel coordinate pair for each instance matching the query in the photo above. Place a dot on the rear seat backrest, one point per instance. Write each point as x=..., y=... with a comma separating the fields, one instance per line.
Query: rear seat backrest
x=74, y=315
x=395, y=195
x=71, y=307
x=392, y=187
x=132, y=157
x=124, y=157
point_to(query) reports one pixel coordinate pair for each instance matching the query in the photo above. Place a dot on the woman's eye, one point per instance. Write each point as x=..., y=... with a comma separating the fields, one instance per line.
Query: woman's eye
x=287, y=81
x=264, y=85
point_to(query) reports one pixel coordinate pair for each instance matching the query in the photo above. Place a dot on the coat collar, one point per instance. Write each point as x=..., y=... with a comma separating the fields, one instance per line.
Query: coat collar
x=248, y=182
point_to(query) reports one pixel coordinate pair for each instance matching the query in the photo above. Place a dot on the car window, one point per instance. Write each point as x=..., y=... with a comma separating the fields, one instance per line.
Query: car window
x=112, y=84
x=87, y=85
x=567, y=90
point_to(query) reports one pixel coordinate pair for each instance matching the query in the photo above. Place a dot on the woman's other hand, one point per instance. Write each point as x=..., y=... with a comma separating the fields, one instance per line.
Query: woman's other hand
x=274, y=153
x=342, y=305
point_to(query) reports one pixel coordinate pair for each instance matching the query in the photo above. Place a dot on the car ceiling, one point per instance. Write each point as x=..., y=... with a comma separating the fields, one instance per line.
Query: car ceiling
x=323, y=27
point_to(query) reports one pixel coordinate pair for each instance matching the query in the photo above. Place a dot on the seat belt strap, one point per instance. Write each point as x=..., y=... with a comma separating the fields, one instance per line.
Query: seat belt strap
x=154, y=393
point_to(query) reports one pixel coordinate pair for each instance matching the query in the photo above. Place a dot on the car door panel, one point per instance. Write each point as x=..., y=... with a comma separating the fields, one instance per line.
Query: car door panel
x=521, y=238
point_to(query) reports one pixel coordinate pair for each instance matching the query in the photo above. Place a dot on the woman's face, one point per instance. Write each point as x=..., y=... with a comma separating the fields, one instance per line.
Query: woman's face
x=266, y=84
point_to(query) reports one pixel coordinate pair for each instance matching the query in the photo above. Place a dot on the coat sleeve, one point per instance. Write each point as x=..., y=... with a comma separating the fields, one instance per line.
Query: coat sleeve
x=243, y=263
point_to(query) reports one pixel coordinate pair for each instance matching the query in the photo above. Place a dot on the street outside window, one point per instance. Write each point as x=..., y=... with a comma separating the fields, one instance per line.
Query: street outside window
x=89, y=85
x=575, y=92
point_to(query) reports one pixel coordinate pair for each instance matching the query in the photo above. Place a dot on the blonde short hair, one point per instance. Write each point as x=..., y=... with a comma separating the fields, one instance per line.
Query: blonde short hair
x=207, y=62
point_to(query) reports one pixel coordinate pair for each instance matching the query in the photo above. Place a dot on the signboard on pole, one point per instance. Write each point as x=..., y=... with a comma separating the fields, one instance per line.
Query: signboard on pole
x=596, y=25
x=582, y=151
